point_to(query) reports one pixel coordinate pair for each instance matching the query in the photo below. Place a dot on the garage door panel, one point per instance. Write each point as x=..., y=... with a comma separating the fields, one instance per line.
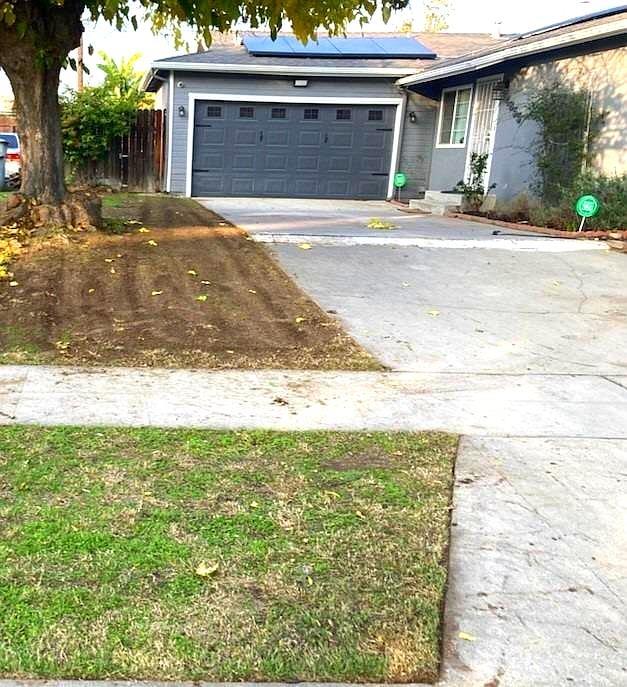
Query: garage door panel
x=286, y=149
x=245, y=137
x=243, y=163
x=276, y=186
x=209, y=161
x=276, y=163
x=309, y=188
x=242, y=186
x=341, y=139
x=309, y=138
x=204, y=183
x=209, y=136
x=277, y=138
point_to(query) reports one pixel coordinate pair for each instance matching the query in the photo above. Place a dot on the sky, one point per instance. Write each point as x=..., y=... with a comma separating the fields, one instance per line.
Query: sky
x=512, y=16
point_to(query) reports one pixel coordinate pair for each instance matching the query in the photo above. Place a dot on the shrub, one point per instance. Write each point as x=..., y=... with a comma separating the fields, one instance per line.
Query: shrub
x=610, y=190
x=568, y=125
x=473, y=190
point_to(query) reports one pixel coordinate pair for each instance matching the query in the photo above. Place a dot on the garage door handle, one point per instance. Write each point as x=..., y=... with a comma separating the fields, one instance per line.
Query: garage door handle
x=260, y=136
x=379, y=174
x=326, y=138
x=385, y=129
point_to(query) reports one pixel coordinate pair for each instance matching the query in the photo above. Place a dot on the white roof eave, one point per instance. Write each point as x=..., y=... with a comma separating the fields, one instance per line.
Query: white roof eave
x=283, y=69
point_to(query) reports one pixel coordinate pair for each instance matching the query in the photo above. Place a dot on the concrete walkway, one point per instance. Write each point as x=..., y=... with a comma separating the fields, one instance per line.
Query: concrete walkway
x=472, y=404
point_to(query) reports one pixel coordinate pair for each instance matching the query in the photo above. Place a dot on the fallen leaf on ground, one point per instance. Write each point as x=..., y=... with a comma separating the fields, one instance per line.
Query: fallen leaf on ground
x=304, y=246
x=108, y=259
x=91, y=290
x=192, y=272
x=465, y=635
x=206, y=569
x=205, y=282
x=202, y=298
x=13, y=283
x=152, y=242
x=156, y=293
x=251, y=291
x=433, y=313
x=298, y=320
x=143, y=230
x=112, y=270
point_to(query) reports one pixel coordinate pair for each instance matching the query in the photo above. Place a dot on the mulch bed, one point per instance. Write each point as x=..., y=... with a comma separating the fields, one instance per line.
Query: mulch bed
x=611, y=234
x=180, y=287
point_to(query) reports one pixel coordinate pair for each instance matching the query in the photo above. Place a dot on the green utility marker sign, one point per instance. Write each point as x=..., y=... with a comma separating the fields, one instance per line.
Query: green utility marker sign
x=400, y=180
x=587, y=206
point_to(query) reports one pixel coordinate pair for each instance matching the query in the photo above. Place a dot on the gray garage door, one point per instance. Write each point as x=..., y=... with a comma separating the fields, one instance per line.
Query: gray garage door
x=305, y=151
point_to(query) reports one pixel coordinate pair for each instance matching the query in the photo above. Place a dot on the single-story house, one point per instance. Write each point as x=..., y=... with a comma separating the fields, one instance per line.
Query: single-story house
x=338, y=118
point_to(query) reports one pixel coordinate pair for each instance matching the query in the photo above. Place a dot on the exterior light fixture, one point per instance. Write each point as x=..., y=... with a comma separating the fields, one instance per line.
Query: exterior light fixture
x=181, y=110
x=301, y=83
x=413, y=117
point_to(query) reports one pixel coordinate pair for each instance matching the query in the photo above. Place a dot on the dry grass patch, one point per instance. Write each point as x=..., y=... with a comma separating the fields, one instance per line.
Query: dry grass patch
x=189, y=555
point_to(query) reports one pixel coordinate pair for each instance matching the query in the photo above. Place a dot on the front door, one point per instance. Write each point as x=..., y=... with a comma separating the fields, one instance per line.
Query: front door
x=483, y=124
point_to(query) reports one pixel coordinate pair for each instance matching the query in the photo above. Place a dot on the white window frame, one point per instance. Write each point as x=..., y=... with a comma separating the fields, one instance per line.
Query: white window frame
x=399, y=103
x=463, y=87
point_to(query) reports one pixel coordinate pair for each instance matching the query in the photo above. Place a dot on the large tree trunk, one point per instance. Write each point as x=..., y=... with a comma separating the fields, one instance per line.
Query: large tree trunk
x=39, y=126
x=32, y=58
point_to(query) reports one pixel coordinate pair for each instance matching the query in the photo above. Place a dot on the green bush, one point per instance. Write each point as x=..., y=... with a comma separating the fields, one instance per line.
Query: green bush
x=610, y=190
x=91, y=120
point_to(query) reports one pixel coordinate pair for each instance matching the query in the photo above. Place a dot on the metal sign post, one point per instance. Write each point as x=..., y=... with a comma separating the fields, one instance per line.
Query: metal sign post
x=400, y=180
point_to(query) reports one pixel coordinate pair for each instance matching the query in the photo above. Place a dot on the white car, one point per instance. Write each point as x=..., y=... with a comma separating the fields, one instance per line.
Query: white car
x=13, y=161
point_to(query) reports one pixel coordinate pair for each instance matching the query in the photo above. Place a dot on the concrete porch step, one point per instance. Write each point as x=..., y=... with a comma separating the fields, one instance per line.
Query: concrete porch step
x=433, y=207
x=437, y=202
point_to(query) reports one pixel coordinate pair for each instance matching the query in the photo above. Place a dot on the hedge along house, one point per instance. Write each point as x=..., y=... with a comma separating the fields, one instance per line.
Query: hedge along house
x=278, y=118
x=479, y=93
x=338, y=118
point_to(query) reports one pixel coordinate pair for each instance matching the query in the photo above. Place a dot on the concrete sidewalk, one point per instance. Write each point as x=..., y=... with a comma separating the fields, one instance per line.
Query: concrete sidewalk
x=471, y=404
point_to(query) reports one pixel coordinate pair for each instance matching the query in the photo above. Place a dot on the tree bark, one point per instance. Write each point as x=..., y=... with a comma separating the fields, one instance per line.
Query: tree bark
x=39, y=127
x=32, y=61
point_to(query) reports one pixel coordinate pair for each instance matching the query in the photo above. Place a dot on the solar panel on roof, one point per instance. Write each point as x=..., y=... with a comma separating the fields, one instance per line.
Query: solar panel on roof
x=401, y=47
x=382, y=48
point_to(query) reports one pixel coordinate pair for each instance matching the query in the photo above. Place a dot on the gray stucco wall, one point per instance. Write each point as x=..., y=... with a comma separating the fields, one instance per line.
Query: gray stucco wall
x=415, y=142
x=447, y=167
x=604, y=75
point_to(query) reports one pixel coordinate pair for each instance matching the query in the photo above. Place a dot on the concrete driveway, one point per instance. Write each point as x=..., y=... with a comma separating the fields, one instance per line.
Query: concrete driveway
x=538, y=562
x=465, y=301
x=283, y=217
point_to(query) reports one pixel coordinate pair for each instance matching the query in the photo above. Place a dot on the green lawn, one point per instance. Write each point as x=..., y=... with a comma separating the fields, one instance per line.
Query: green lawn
x=193, y=555
x=4, y=195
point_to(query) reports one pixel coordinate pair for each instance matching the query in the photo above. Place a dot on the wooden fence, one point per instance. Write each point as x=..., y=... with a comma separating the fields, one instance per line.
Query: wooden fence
x=136, y=162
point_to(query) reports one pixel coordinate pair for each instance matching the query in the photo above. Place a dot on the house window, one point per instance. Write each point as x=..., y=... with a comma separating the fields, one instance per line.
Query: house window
x=343, y=114
x=246, y=112
x=375, y=115
x=310, y=113
x=214, y=111
x=278, y=113
x=454, y=113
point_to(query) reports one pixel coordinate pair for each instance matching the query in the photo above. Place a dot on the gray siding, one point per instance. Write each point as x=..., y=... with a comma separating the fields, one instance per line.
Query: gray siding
x=417, y=145
x=416, y=139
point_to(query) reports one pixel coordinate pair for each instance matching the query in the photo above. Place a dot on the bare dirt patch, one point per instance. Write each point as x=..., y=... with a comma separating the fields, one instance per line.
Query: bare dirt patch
x=180, y=287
